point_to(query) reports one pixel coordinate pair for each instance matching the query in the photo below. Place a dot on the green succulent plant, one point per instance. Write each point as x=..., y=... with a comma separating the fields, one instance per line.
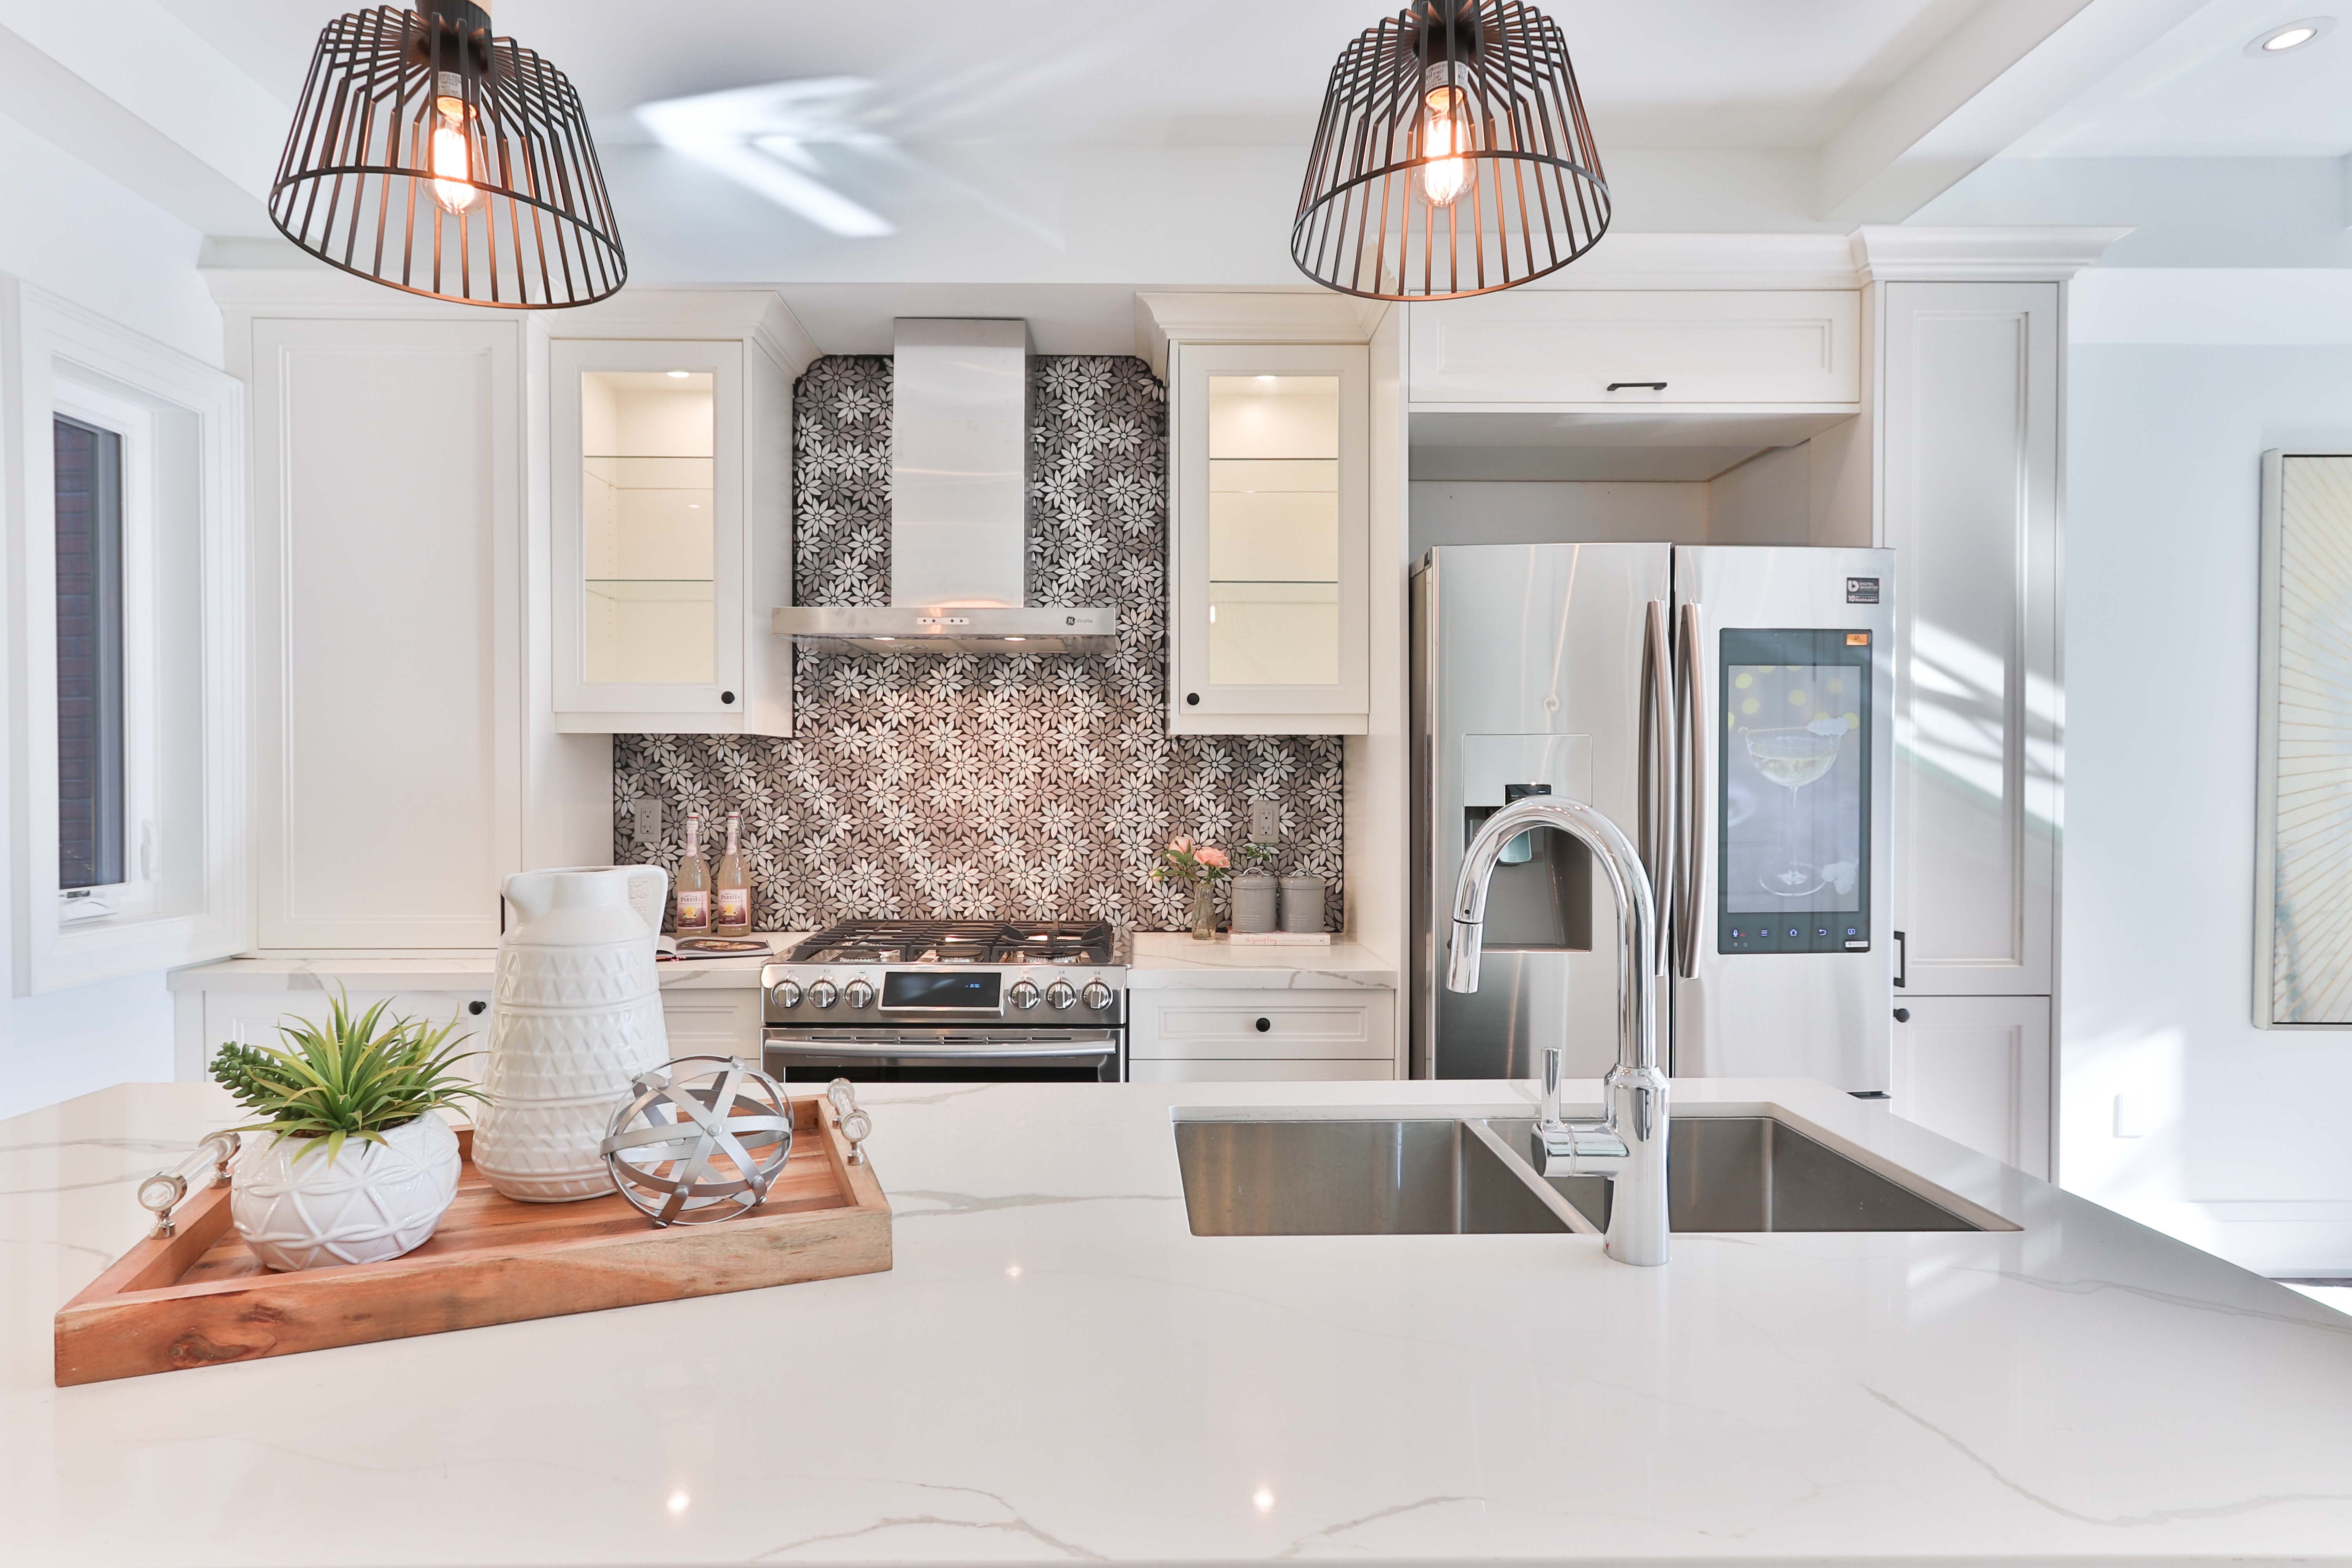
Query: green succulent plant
x=356, y=1077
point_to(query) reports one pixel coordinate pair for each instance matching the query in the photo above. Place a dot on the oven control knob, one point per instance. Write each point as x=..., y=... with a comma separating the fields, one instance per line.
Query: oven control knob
x=788, y=992
x=1060, y=994
x=1096, y=995
x=857, y=993
x=823, y=994
x=1023, y=994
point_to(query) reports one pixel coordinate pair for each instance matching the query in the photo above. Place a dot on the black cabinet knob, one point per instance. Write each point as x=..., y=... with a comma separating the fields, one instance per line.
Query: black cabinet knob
x=1263, y=1025
x=727, y=697
x=1902, y=1014
x=1192, y=700
x=478, y=1008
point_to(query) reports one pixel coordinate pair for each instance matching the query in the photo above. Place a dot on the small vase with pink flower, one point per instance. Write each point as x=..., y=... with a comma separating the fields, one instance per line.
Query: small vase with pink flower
x=1198, y=867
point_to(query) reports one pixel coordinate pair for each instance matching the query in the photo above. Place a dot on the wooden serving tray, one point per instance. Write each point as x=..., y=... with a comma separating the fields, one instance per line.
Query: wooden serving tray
x=200, y=1297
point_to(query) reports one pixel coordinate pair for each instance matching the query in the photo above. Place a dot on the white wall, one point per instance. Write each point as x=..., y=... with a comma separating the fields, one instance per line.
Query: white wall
x=76, y=234
x=2247, y=1151
x=1559, y=511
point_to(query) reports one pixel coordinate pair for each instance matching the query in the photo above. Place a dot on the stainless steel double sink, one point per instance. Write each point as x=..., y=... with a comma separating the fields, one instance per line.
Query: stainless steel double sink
x=1454, y=1175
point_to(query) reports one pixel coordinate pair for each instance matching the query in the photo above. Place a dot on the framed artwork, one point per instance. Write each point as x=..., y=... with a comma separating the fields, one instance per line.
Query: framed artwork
x=2302, y=959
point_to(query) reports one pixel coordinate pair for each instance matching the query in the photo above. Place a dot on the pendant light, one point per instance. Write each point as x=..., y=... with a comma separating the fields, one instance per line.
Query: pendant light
x=1454, y=157
x=430, y=156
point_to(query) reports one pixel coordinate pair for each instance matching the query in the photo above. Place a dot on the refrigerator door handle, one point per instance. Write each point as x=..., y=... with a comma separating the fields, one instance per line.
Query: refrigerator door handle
x=1657, y=782
x=1690, y=866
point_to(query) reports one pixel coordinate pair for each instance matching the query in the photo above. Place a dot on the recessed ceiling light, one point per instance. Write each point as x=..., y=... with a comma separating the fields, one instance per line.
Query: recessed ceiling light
x=2292, y=36
x=678, y=375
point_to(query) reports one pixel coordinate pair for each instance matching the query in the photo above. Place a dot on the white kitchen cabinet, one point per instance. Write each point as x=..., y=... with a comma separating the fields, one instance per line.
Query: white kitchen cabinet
x=252, y=1017
x=386, y=594
x=1268, y=570
x=1970, y=451
x=1977, y=1069
x=1271, y=1071
x=1228, y=1024
x=712, y=1023
x=671, y=535
x=1607, y=348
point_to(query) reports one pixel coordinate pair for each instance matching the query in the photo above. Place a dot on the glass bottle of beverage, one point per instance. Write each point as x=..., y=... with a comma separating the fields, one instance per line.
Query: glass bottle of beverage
x=733, y=914
x=693, y=882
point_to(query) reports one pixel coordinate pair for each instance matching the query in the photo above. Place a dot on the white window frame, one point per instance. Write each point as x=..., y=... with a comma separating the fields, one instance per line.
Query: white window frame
x=133, y=898
x=186, y=900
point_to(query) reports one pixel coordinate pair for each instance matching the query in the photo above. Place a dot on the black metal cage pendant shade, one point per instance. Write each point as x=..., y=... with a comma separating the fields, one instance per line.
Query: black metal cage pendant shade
x=428, y=155
x=1454, y=157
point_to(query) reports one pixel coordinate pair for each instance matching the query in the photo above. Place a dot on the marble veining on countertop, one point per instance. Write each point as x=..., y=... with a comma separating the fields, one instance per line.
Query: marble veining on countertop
x=1057, y=1370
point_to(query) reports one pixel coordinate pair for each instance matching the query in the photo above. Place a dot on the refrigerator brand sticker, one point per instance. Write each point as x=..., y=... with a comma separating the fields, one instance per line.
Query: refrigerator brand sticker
x=1862, y=590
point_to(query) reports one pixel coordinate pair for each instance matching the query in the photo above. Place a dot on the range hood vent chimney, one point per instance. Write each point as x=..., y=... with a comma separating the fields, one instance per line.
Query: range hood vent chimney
x=958, y=510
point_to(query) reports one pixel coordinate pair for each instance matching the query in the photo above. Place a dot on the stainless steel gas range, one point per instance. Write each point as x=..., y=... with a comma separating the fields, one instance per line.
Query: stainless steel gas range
x=950, y=1002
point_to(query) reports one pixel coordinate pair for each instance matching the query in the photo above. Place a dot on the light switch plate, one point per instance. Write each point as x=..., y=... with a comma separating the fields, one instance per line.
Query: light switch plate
x=1266, y=821
x=645, y=820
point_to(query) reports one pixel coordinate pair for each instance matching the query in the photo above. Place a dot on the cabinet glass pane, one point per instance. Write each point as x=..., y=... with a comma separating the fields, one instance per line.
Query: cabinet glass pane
x=648, y=527
x=1274, y=529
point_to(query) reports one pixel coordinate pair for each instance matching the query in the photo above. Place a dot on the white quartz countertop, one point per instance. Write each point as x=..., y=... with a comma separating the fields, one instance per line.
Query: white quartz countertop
x=1160, y=960
x=1167, y=960
x=1056, y=1369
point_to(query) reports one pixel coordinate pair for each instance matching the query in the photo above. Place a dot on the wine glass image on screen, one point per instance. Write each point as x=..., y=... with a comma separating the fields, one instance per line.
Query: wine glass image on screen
x=1793, y=758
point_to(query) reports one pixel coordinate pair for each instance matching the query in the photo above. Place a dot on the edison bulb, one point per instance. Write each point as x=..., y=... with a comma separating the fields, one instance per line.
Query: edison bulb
x=1444, y=131
x=452, y=156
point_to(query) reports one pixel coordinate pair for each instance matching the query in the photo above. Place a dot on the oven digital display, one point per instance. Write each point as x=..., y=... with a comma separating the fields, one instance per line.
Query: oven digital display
x=928, y=988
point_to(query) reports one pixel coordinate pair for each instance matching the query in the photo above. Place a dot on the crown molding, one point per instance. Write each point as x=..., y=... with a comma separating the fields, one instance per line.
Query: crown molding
x=312, y=289
x=750, y=311
x=1301, y=316
x=1886, y=253
x=1651, y=262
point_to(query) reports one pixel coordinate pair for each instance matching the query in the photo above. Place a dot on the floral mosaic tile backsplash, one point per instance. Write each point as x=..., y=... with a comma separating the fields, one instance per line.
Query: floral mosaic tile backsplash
x=1036, y=786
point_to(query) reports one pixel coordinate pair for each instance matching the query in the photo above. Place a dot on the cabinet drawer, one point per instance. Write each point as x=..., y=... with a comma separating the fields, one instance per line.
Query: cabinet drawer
x=713, y=1023
x=1259, y=1072
x=1262, y=1025
x=1707, y=346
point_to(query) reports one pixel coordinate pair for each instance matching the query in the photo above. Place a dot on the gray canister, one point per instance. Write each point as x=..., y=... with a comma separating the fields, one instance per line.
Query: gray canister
x=1302, y=903
x=1254, y=902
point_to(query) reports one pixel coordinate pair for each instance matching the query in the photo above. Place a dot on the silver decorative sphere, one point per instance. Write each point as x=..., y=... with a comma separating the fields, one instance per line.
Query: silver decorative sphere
x=701, y=1138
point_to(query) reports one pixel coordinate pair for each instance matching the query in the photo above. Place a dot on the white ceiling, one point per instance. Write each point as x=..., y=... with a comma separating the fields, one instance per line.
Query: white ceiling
x=1661, y=73
x=2197, y=93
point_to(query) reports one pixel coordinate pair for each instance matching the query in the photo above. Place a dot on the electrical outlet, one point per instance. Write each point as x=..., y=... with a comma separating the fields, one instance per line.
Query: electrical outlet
x=1266, y=821
x=644, y=821
x=2132, y=1116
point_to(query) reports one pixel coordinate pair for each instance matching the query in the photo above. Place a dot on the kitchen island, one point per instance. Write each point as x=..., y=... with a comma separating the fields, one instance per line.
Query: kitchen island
x=1057, y=1368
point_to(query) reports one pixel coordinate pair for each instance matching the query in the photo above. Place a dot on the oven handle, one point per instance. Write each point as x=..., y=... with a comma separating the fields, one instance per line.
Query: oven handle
x=907, y=1051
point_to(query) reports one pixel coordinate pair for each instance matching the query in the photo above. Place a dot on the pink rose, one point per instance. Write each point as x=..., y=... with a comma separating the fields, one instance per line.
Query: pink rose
x=1180, y=845
x=1212, y=856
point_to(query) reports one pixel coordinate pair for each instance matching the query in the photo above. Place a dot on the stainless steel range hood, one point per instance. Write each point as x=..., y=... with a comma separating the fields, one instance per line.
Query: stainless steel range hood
x=958, y=510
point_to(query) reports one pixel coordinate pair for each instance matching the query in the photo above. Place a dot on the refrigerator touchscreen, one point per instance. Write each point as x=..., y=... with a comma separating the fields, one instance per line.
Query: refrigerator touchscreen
x=1794, y=792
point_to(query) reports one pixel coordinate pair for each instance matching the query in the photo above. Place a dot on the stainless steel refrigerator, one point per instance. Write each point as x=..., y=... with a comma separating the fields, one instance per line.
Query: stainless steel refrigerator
x=1730, y=709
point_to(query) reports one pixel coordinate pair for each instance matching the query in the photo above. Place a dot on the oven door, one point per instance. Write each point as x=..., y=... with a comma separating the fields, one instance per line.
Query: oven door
x=791, y=1054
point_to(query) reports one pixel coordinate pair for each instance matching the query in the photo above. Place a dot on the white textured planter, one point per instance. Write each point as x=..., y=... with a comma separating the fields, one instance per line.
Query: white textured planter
x=370, y=1202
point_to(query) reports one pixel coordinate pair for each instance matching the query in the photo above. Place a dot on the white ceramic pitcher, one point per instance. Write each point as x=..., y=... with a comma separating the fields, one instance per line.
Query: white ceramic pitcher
x=575, y=1015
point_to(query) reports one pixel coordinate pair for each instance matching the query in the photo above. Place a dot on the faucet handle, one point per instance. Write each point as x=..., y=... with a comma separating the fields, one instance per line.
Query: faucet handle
x=1549, y=1114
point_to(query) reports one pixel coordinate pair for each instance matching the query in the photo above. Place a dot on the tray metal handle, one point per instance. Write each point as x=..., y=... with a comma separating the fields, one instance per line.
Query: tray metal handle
x=163, y=1191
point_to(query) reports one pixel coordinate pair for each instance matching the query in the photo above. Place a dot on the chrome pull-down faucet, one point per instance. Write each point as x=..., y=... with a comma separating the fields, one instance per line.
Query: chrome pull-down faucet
x=1628, y=1143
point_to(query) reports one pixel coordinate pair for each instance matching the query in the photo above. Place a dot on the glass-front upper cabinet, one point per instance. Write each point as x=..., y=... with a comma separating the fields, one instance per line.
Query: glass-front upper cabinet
x=1269, y=558
x=661, y=595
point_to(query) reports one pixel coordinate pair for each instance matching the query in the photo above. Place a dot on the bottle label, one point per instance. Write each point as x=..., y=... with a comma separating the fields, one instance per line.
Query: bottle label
x=693, y=910
x=734, y=906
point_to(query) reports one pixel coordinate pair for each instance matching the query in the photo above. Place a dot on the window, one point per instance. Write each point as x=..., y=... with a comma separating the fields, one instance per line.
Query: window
x=89, y=491
x=125, y=849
